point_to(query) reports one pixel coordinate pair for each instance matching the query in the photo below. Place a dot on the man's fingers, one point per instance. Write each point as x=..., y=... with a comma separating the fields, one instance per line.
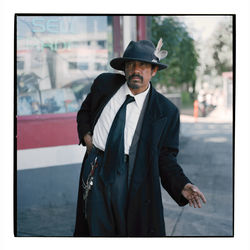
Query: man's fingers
x=197, y=201
x=192, y=200
x=203, y=198
x=199, y=193
x=197, y=197
x=89, y=147
x=194, y=196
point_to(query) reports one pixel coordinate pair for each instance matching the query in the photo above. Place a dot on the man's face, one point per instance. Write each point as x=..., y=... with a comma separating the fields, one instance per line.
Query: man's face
x=138, y=75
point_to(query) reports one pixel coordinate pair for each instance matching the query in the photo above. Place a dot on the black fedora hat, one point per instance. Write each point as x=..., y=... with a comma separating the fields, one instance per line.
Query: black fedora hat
x=143, y=51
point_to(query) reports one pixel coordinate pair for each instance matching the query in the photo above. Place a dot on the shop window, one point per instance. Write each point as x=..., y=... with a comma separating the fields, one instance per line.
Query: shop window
x=78, y=65
x=72, y=65
x=101, y=67
x=57, y=59
x=101, y=43
x=20, y=65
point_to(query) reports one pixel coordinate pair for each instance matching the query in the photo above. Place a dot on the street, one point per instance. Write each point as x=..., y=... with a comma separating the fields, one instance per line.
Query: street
x=206, y=158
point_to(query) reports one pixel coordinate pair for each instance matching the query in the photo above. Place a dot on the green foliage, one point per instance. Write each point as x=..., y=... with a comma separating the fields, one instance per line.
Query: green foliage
x=217, y=51
x=222, y=46
x=182, y=58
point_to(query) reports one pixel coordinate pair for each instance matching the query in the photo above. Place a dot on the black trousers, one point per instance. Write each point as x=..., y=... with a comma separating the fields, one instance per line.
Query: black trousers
x=106, y=206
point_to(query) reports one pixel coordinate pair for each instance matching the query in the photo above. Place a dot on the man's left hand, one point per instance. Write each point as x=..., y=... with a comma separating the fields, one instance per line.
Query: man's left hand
x=193, y=195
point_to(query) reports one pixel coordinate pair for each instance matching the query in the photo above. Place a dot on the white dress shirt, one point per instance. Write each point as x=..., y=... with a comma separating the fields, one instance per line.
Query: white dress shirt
x=107, y=116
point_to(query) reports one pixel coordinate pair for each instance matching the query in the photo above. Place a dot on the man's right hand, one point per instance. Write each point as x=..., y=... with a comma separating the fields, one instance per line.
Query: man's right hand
x=88, y=141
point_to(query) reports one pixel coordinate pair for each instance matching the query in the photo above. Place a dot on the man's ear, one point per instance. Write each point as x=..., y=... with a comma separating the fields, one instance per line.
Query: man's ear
x=154, y=70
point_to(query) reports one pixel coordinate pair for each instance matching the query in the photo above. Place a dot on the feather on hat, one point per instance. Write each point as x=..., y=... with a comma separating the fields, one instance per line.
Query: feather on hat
x=161, y=54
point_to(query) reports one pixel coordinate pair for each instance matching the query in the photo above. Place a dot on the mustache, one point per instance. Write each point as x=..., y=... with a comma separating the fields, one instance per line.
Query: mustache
x=135, y=75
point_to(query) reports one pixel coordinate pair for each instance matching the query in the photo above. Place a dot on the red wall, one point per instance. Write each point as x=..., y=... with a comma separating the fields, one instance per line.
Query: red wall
x=46, y=130
x=141, y=28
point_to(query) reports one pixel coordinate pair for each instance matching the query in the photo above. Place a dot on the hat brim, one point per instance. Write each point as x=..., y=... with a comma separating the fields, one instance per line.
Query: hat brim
x=119, y=63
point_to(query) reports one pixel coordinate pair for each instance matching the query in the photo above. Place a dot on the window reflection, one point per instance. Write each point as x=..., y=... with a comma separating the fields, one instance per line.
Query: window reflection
x=57, y=59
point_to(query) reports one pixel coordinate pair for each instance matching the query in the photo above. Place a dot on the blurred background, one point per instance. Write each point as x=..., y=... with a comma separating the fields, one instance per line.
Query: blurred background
x=57, y=59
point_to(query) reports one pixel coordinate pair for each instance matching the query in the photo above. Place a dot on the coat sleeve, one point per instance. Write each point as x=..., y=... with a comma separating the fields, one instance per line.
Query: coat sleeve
x=172, y=176
x=84, y=114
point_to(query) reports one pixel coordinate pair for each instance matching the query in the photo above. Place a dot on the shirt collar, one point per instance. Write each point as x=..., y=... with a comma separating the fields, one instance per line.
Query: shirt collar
x=139, y=98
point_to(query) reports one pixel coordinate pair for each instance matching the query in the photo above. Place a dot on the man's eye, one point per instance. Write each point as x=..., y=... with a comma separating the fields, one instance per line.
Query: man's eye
x=143, y=64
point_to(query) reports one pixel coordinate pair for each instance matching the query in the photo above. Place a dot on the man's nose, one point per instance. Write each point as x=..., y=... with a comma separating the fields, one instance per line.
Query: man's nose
x=136, y=67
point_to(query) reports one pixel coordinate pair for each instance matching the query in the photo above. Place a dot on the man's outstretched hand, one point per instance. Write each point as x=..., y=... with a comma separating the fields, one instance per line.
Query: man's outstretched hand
x=193, y=195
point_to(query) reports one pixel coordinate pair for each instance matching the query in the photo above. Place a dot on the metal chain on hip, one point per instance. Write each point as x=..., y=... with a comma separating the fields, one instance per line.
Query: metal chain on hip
x=89, y=183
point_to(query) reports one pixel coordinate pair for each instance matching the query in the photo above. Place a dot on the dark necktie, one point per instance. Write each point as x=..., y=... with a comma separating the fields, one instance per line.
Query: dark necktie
x=114, y=150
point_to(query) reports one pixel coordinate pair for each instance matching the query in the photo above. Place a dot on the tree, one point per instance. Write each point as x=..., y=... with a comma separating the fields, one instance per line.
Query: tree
x=216, y=54
x=182, y=58
x=222, y=46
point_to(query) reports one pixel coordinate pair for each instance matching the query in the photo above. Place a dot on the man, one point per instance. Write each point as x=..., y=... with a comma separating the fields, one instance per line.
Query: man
x=132, y=134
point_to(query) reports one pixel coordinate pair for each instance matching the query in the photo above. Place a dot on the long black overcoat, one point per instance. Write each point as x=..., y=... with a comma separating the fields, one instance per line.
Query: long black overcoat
x=155, y=160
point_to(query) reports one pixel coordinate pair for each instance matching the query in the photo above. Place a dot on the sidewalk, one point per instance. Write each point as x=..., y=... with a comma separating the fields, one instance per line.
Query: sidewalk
x=206, y=158
x=218, y=115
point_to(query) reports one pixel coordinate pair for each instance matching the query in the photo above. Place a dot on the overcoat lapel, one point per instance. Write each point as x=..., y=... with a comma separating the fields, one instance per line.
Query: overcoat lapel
x=154, y=122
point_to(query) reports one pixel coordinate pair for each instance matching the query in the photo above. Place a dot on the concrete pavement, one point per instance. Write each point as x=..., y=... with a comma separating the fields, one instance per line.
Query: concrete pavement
x=206, y=157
